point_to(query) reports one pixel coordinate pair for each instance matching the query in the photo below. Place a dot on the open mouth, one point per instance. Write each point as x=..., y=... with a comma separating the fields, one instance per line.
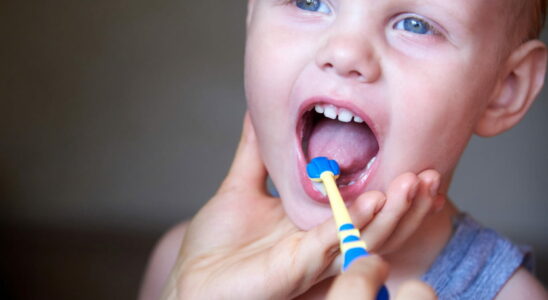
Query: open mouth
x=341, y=134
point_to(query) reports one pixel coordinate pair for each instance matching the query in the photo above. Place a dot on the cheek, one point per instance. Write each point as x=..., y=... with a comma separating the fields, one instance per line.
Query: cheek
x=263, y=83
x=433, y=119
x=276, y=53
x=268, y=86
x=274, y=59
x=268, y=67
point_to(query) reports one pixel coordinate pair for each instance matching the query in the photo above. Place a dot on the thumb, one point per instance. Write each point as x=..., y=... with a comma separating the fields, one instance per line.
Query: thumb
x=247, y=170
x=361, y=281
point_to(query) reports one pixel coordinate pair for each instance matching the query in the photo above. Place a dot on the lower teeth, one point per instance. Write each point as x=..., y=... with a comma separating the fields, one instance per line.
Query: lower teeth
x=318, y=186
x=370, y=163
x=348, y=184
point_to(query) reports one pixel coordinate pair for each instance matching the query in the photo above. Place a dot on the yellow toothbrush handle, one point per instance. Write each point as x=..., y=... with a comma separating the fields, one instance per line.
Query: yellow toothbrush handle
x=335, y=199
x=321, y=169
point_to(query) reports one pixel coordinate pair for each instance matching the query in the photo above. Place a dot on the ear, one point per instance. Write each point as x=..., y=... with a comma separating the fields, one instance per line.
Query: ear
x=517, y=89
x=250, y=5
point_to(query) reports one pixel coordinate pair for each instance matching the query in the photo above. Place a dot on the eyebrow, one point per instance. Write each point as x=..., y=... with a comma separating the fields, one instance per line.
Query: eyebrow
x=449, y=8
x=454, y=13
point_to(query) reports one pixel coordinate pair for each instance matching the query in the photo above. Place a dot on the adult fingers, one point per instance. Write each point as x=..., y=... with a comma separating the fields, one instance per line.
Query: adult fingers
x=420, y=208
x=319, y=246
x=398, y=200
x=361, y=281
x=415, y=289
x=247, y=170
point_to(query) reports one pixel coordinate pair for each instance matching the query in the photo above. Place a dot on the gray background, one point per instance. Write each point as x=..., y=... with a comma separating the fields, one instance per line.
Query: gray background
x=119, y=119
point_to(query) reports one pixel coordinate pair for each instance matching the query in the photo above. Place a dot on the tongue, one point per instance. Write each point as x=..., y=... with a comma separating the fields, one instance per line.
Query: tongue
x=351, y=144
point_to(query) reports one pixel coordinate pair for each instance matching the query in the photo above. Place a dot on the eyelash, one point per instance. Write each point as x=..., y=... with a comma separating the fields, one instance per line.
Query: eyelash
x=321, y=2
x=431, y=29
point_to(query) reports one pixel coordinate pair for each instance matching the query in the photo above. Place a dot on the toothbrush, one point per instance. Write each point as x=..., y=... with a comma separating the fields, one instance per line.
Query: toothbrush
x=326, y=171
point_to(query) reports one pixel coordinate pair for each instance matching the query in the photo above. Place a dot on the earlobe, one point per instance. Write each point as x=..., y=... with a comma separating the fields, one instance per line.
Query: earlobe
x=517, y=89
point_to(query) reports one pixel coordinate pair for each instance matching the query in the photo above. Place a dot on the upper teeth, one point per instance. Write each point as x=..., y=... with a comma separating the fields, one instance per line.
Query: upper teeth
x=332, y=112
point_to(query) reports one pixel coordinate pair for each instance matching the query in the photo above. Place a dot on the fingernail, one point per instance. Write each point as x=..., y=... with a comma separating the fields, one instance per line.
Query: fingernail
x=434, y=187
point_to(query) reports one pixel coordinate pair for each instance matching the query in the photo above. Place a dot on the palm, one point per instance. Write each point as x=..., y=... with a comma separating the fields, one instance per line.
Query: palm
x=256, y=240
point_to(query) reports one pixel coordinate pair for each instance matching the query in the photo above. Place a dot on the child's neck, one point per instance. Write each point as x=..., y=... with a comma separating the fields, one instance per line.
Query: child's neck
x=419, y=252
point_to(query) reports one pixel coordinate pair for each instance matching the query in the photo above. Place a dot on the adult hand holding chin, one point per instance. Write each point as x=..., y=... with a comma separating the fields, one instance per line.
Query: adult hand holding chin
x=410, y=199
x=242, y=245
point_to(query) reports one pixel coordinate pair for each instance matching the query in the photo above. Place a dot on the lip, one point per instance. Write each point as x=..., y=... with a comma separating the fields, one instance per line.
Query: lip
x=349, y=193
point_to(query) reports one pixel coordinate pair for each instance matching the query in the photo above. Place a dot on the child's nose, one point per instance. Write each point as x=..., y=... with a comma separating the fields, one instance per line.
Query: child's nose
x=349, y=56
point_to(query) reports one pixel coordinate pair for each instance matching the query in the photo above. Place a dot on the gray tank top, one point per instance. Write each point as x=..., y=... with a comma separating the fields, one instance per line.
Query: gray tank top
x=475, y=263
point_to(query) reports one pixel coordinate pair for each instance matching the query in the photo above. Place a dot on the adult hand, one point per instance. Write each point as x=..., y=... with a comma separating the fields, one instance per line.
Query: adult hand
x=242, y=245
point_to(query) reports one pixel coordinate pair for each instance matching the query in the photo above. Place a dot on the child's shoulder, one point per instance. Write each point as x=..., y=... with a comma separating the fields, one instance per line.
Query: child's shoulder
x=161, y=262
x=479, y=263
x=522, y=285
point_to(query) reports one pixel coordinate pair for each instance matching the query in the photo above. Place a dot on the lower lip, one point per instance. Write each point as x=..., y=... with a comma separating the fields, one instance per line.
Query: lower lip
x=348, y=193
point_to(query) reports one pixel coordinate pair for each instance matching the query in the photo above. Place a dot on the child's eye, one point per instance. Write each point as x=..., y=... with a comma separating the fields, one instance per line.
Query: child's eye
x=313, y=5
x=415, y=25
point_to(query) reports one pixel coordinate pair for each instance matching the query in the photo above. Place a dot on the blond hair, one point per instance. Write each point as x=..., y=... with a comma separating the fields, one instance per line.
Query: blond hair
x=538, y=17
x=525, y=20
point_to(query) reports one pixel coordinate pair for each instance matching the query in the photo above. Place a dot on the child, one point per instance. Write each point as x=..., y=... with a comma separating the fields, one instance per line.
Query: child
x=393, y=90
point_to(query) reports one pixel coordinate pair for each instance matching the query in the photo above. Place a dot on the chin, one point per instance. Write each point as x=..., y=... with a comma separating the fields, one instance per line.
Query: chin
x=303, y=211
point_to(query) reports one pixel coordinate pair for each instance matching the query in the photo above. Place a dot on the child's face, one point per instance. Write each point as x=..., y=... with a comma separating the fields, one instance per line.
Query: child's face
x=419, y=72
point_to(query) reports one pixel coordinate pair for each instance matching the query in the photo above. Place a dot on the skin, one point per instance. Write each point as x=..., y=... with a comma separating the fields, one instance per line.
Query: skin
x=364, y=278
x=230, y=251
x=415, y=88
x=425, y=95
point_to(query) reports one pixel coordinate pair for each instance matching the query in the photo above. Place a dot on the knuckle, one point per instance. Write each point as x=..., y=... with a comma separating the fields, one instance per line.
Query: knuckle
x=399, y=205
x=403, y=182
x=365, y=202
x=430, y=173
x=408, y=176
x=374, y=195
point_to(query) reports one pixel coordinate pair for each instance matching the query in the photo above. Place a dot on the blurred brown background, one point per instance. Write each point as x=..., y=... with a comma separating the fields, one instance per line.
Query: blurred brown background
x=119, y=119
